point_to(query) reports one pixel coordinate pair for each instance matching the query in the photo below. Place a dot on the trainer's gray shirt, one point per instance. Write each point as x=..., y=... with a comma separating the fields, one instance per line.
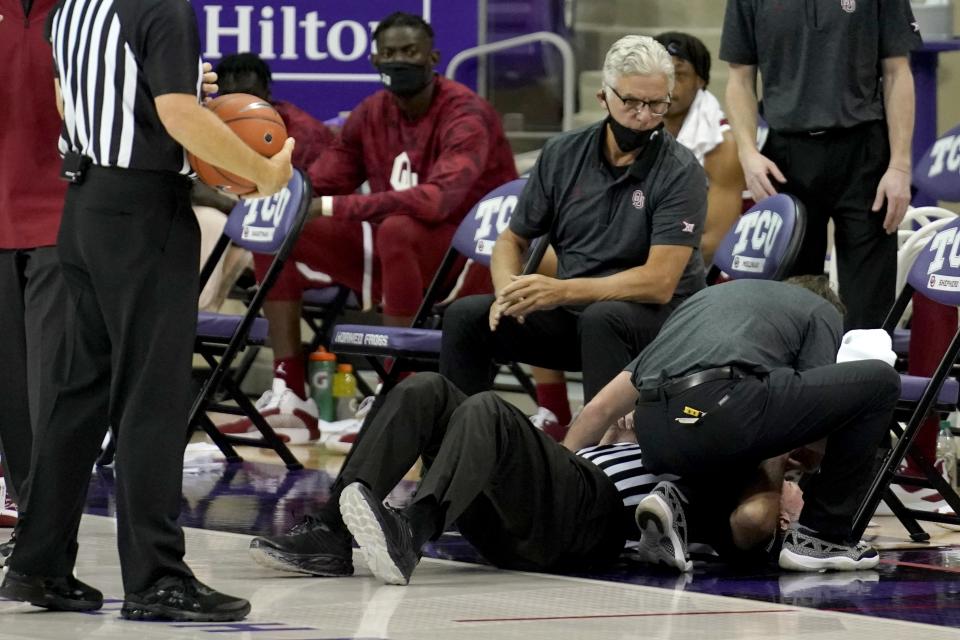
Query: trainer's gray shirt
x=819, y=60
x=759, y=325
x=602, y=223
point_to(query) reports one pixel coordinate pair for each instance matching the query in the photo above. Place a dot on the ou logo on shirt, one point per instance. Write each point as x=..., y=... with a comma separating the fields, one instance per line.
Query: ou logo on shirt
x=759, y=231
x=403, y=176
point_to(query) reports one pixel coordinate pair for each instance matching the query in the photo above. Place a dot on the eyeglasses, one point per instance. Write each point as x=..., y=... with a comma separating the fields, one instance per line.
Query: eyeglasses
x=656, y=107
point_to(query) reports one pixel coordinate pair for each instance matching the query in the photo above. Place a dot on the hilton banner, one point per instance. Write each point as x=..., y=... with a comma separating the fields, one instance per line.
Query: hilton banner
x=319, y=50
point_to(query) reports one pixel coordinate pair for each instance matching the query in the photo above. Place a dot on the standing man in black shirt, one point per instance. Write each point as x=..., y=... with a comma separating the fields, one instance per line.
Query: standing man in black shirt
x=838, y=96
x=624, y=206
x=742, y=373
x=128, y=79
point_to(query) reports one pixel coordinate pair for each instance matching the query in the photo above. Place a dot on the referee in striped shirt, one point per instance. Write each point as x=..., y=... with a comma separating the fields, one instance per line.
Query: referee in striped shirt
x=128, y=81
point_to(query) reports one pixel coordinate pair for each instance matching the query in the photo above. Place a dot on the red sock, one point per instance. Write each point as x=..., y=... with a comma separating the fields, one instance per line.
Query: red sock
x=293, y=372
x=553, y=396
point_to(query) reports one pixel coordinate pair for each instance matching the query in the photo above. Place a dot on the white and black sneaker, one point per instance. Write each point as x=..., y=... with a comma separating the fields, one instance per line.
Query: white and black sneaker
x=663, y=528
x=803, y=551
x=382, y=533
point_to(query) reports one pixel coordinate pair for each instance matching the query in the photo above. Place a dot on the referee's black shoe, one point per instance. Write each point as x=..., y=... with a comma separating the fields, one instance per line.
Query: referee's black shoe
x=183, y=599
x=313, y=547
x=56, y=594
x=384, y=534
x=6, y=549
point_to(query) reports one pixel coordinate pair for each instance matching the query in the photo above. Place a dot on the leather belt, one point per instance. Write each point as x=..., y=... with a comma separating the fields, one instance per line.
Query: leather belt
x=674, y=386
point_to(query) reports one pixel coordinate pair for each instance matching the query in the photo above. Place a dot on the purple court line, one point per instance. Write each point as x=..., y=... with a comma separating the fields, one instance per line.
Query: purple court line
x=630, y=615
x=919, y=565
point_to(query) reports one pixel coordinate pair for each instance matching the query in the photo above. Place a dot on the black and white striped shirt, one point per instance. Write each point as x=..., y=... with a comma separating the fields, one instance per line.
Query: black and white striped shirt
x=623, y=464
x=113, y=57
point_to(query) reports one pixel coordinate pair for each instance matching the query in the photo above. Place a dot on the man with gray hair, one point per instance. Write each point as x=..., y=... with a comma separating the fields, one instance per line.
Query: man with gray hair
x=624, y=205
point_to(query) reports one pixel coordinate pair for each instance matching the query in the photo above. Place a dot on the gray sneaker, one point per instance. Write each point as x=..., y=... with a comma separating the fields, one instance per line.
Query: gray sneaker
x=663, y=528
x=802, y=551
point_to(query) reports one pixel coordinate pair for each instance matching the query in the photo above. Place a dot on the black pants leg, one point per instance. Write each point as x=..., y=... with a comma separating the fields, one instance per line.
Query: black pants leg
x=411, y=422
x=850, y=404
x=31, y=323
x=129, y=246
x=836, y=176
x=599, y=340
x=520, y=498
x=612, y=334
x=469, y=349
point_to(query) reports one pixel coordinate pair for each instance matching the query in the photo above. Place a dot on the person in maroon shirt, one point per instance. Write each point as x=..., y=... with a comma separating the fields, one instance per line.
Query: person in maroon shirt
x=248, y=73
x=429, y=148
x=31, y=199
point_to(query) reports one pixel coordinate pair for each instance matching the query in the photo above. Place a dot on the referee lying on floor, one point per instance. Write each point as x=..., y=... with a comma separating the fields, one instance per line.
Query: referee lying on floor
x=520, y=498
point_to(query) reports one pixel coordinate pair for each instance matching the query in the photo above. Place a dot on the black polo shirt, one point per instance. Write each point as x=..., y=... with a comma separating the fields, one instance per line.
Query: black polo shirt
x=819, y=59
x=759, y=325
x=601, y=222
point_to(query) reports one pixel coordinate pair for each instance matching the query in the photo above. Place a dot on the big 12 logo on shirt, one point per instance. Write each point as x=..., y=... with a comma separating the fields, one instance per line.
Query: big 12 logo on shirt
x=403, y=176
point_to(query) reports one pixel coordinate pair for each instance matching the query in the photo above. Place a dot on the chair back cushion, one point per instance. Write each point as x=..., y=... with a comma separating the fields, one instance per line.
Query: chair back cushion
x=936, y=271
x=937, y=174
x=486, y=220
x=765, y=241
x=261, y=224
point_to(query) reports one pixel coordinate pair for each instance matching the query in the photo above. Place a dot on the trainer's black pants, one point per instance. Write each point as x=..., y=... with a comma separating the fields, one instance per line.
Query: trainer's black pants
x=129, y=248
x=835, y=174
x=523, y=500
x=599, y=340
x=755, y=418
x=32, y=308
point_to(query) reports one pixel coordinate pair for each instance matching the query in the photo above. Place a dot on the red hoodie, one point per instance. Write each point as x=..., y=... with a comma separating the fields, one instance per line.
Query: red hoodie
x=31, y=193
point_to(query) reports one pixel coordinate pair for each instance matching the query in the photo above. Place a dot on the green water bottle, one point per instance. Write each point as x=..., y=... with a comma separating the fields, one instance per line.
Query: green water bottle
x=323, y=366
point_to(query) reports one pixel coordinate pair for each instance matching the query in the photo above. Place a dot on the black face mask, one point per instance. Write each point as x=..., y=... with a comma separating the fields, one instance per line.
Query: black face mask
x=404, y=78
x=628, y=139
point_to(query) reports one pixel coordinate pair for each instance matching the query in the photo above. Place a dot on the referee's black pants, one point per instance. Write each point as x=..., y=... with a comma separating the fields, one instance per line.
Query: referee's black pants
x=129, y=247
x=835, y=174
x=599, y=340
x=32, y=304
x=523, y=500
x=756, y=418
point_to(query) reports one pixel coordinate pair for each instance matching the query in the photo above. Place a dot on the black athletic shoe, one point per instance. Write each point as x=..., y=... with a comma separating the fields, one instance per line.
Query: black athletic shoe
x=57, y=594
x=384, y=535
x=183, y=600
x=804, y=551
x=662, y=521
x=6, y=549
x=311, y=547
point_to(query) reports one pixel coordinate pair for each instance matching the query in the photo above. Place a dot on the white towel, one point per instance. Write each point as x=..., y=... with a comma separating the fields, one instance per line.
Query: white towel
x=867, y=344
x=704, y=125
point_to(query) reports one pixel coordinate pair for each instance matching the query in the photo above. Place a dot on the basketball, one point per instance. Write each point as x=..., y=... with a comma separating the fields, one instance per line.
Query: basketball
x=257, y=123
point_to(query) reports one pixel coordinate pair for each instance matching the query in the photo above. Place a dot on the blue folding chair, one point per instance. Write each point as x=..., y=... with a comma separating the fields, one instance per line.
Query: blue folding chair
x=935, y=274
x=764, y=243
x=270, y=226
x=417, y=343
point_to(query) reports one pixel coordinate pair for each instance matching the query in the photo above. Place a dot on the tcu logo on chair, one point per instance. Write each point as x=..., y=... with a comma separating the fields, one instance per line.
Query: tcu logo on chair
x=264, y=215
x=948, y=238
x=500, y=206
x=758, y=230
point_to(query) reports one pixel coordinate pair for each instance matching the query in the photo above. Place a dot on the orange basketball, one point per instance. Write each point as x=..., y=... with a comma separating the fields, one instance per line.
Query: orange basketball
x=257, y=123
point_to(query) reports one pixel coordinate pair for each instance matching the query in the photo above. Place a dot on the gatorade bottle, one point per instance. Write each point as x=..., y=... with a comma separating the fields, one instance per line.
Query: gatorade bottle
x=345, y=391
x=947, y=453
x=323, y=366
